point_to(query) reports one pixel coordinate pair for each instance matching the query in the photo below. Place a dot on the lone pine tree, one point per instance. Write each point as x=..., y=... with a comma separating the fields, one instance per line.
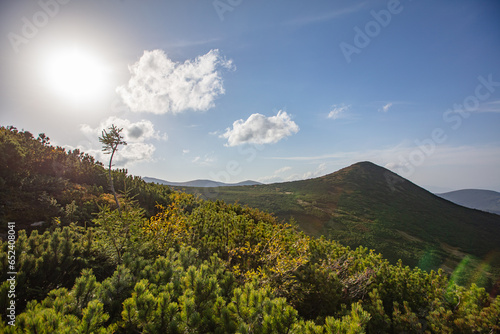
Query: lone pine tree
x=110, y=140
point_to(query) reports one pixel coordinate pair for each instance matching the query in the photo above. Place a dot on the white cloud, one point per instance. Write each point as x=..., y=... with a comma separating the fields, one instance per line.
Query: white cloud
x=396, y=165
x=338, y=111
x=493, y=106
x=386, y=107
x=135, y=134
x=259, y=129
x=135, y=152
x=327, y=16
x=188, y=43
x=486, y=107
x=282, y=170
x=317, y=172
x=276, y=177
x=132, y=132
x=160, y=85
x=207, y=160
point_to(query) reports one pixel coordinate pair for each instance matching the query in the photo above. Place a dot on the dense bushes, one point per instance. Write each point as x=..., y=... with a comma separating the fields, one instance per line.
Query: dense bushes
x=210, y=267
x=39, y=182
x=173, y=263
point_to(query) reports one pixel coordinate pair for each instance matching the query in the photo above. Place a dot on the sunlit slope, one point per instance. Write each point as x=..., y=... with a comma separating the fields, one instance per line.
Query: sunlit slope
x=365, y=204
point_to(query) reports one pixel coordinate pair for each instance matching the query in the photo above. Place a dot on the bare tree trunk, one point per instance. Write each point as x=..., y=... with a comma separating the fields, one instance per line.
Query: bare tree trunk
x=111, y=183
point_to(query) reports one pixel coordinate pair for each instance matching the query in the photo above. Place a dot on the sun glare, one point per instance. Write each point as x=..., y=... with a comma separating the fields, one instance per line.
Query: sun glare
x=75, y=74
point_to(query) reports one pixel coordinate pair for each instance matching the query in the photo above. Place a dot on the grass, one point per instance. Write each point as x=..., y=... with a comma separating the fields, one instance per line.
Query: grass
x=367, y=205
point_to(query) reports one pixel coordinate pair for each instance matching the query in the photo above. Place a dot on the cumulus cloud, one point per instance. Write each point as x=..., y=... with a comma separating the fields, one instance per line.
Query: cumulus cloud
x=395, y=165
x=160, y=85
x=386, y=107
x=134, y=133
x=338, y=111
x=207, y=160
x=259, y=129
x=276, y=177
x=282, y=170
x=320, y=170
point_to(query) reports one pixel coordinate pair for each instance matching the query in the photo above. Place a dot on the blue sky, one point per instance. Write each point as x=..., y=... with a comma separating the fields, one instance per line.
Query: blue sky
x=264, y=90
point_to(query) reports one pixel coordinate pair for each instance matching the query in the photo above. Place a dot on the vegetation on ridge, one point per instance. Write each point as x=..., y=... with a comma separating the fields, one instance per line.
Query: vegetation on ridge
x=209, y=267
x=368, y=205
x=40, y=182
x=198, y=266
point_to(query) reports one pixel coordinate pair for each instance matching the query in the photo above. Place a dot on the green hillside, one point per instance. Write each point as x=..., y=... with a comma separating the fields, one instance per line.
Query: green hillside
x=368, y=205
x=43, y=183
x=195, y=266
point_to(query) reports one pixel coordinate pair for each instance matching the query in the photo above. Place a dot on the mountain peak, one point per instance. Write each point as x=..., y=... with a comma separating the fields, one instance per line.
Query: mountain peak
x=368, y=166
x=363, y=166
x=366, y=173
x=366, y=204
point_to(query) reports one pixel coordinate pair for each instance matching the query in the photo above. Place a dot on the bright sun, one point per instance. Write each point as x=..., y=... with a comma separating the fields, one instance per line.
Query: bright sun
x=75, y=74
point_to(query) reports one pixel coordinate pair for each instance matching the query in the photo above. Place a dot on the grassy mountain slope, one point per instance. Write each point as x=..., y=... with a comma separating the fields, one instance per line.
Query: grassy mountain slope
x=194, y=266
x=368, y=205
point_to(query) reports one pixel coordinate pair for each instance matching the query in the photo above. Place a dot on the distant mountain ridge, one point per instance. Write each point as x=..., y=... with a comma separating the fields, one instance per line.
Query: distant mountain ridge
x=200, y=183
x=365, y=204
x=484, y=200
